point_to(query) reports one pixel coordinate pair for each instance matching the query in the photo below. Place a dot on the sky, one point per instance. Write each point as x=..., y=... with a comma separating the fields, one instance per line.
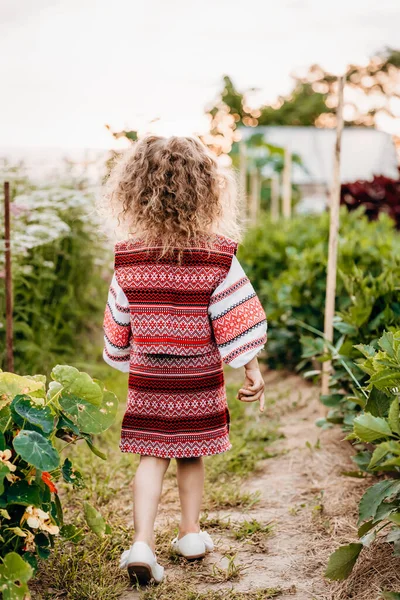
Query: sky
x=69, y=67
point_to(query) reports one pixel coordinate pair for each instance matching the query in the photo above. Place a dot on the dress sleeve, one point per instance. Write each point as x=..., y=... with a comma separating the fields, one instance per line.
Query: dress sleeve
x=238, y=318
x=117, y=328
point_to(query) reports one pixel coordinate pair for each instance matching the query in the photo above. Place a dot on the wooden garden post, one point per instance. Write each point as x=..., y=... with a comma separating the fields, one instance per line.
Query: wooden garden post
x=275, y=184
x=287, y=185
x=333, y=236
x=243, y=171
x=8, y=280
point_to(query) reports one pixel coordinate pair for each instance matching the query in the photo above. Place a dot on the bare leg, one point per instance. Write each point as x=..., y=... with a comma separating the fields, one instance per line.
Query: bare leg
x=190, y=475
x=146, y=496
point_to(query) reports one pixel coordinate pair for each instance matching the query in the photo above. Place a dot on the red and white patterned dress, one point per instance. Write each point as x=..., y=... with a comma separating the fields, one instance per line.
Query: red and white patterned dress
x=171, y=326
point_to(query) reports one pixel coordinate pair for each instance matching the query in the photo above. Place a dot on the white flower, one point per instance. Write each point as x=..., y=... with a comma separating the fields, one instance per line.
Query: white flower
x=37, y=518
x=5, y=456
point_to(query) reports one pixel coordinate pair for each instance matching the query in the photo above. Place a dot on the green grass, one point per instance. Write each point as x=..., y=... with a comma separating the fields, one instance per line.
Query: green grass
x=89, y=571
x=250, y=529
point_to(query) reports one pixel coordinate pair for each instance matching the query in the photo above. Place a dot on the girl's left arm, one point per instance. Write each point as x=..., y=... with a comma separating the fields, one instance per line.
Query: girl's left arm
x=238, y=318
x=117, y=328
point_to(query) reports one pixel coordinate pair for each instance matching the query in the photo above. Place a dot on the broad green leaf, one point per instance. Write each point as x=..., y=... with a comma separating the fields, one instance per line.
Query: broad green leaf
x=391, y=462
x=89, y=418
x=378, y=454
x=36, y=450
x=385, y=378
x=15, y=568
x=345, y=328
x=394, y=517
x=365, y=527
x=334, y=416
x=11, y=385
x=367, y=351
x=362, y=459
x=70, y=533
x=394, y=416
x=31, y=560
x=373, y=497
x=4, y=470
x=70, y=474
x=368, y=538
x=15, y=572
x=77, y=384
x=41, y=378
x=22, y=492
x=378, y=403
x=41, y=416
x=384, y=510
x=390, y=595
x=94, y=519
x=332, y=399
x=54, y=388
x=393, y=535
x=5, y=414
x=59, y=516
x=387, y=344
x=65, y=422
x=43, y=552
x=369, y=428
x=342, y=561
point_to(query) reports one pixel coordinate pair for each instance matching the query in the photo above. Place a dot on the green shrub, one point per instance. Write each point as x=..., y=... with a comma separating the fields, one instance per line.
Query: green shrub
x=33, y=421
x=58, y=263
x=378, y=425
x=286, y=261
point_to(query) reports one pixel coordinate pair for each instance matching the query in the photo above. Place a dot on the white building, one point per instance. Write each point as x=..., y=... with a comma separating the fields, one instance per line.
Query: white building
x=365, y=152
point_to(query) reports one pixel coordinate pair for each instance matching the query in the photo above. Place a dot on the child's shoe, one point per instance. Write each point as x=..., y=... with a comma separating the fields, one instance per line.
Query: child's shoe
x=142, y=564
x=193, y=545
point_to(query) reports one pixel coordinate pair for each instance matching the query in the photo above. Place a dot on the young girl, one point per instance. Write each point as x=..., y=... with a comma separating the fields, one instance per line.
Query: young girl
x=179, y=306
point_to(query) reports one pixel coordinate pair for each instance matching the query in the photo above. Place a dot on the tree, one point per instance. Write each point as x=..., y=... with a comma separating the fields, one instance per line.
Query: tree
x=371, y=93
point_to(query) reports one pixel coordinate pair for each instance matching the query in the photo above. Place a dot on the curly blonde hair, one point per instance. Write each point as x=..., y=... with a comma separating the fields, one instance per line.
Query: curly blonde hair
x=173, y=192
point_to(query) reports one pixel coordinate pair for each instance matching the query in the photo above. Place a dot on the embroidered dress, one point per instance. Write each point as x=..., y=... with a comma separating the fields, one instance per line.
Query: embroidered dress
x=172, y=326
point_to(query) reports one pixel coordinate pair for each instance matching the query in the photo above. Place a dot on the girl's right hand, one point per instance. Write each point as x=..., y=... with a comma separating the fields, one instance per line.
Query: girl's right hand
x=253, y=387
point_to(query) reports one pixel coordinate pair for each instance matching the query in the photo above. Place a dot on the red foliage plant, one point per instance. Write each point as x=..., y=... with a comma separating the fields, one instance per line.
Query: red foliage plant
x=382, y=194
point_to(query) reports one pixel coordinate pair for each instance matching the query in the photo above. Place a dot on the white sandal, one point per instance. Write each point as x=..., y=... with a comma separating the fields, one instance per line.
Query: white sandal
x=142, y=564
x=193, y=545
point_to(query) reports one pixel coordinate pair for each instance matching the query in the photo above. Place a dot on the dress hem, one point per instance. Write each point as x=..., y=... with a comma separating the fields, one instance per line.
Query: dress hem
x=133, y=449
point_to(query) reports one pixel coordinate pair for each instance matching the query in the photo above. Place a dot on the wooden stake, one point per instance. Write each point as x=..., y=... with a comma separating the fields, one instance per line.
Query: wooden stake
x=275, y=197
x=287, y=185
x=8, y=279
x=333, y=236
x=243, y=172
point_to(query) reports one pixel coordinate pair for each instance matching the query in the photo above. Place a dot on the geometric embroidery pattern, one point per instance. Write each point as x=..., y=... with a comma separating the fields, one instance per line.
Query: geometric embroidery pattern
x=159, y=325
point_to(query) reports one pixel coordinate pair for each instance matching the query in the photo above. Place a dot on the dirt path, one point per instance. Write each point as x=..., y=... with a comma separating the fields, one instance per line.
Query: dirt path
x=306, y=508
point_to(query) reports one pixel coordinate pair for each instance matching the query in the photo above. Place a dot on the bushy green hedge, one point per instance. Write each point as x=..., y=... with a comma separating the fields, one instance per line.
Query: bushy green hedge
x=58, y=280
x=286, y=261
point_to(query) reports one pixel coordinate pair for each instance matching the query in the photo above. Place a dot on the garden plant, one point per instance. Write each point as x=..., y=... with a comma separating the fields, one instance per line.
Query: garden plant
x=58, y=260
x=38, y=422
x=288, y=264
